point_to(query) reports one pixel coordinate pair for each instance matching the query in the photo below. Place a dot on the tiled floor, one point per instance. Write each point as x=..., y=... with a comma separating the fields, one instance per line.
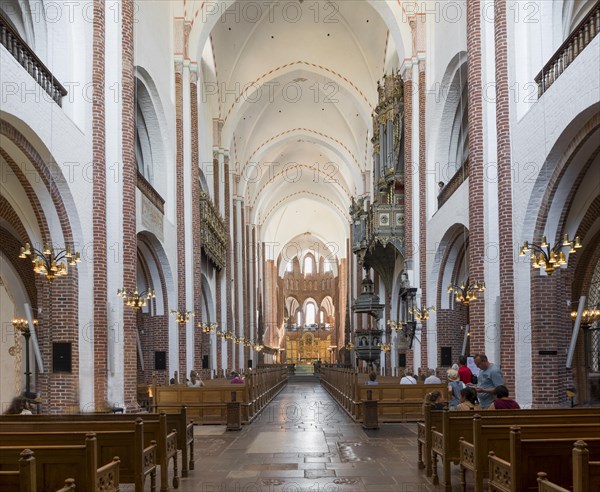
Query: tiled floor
x=303, y=441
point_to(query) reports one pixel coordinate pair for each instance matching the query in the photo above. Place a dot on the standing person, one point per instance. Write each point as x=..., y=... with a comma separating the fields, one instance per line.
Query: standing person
x=464, y=373
x=489, y=377
x=455, y=385
x=432, y=378
x=408, y=378
x=502, y=401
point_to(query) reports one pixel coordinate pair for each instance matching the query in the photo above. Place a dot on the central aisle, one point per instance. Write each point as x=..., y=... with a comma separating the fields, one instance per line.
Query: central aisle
x=303, y=441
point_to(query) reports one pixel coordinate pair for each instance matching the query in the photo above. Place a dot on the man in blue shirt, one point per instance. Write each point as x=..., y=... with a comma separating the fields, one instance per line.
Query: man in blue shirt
x=488, y=378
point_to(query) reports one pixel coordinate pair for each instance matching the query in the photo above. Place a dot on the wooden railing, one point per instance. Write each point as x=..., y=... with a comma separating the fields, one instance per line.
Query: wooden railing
x=20, y=50
x=581, y=36
x=150, y=193
x=461, y=174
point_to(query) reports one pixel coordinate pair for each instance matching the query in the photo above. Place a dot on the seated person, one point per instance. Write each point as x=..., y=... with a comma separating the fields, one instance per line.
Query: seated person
x=468, y=399
x=195, y=381
x=236, y=379
x=435, y=400
x=502, y=401
x=372, y=378
x=408, y=378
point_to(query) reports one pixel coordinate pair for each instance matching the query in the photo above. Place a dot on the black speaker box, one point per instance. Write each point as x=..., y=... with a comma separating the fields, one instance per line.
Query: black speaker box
x=205, y=362
x=160, y=361
x=446, y=356
x=249, y=363
x=61, y=357
x=401, y=360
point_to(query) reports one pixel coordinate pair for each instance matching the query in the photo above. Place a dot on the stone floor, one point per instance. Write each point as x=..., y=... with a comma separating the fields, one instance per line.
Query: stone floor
x=301, y=442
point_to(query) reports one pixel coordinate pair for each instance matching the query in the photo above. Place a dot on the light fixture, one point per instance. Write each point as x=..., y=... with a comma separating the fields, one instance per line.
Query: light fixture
x=182, y=316
x=23, y=326
x=385, y=347
x=349, y=346
x=208, y=327
x=50, y=263
x=548, y=259
x=137, y=300
x=466, y=292
x=422, y=314
x=588, y=316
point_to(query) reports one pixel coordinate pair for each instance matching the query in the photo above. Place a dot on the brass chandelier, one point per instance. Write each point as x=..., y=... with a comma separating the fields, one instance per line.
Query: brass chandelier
x=182, y=316
x=422, y=314
x=207, y=327
x=137, y=300
x=466, y=292
x=48, y=262
x=589, y=316
x=548, y=259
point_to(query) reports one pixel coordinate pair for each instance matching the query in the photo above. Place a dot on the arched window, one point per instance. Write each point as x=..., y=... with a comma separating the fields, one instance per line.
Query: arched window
x=299, y=318
x=327, y=266
x=308, y=265
x=290, y=266
x=593, y=332
x=321, y=316
x=310, y=313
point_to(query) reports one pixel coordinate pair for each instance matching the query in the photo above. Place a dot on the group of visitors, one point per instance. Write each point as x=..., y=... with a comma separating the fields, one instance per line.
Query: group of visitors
x=466, y=391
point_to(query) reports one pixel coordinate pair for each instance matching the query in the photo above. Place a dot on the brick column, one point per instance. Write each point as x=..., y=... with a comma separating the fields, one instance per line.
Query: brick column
x=180, y=213
x=505, y=226
x=129, y=205
x=99, y=204
x=422, y=209
x=408, y=160
x=229, y=266
x=196, y=224
x=476, y=171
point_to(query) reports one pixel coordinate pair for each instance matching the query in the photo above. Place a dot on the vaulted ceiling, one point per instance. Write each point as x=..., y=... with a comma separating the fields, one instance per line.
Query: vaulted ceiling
x=297, y=86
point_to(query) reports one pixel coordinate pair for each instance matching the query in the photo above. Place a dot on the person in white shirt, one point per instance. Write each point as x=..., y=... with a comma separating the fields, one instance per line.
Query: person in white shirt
x=408, y=378
x=432, y=378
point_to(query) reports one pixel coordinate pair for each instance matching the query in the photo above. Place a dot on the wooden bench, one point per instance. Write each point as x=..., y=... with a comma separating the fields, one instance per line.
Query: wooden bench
x=208, y=404
x=125, y=439
x=586, y=473
x=53, y=463
x=486, y=438
x=23, y=479
x=456, y=424
x=531, y=456
x=432, y=418
x=155, y=429
x=396, y=402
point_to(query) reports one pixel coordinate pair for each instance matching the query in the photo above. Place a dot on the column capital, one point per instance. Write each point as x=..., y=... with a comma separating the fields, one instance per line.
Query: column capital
x=178, y=61
x=406, y=70
x=193, y=73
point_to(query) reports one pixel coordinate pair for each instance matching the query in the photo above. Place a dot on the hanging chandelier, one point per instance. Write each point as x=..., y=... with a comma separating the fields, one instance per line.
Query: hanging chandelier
x=136, y=300
x=182, y=316
x=48, y=262
x=207, y=327
x=422, y=314
x=547, y=259
x=385, y=347
x=466, y=292
x=588, y=316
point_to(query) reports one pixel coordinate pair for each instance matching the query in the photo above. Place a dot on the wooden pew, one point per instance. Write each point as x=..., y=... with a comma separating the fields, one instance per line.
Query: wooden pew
x=70, y=486
x=208, y=404
x=125, y=439
x=23, y=479
x=586, y=473
x=52, y=463
x=432, y=418
x=177, y=422
x=456, y=424
x=530, y=456
x=496, y=438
